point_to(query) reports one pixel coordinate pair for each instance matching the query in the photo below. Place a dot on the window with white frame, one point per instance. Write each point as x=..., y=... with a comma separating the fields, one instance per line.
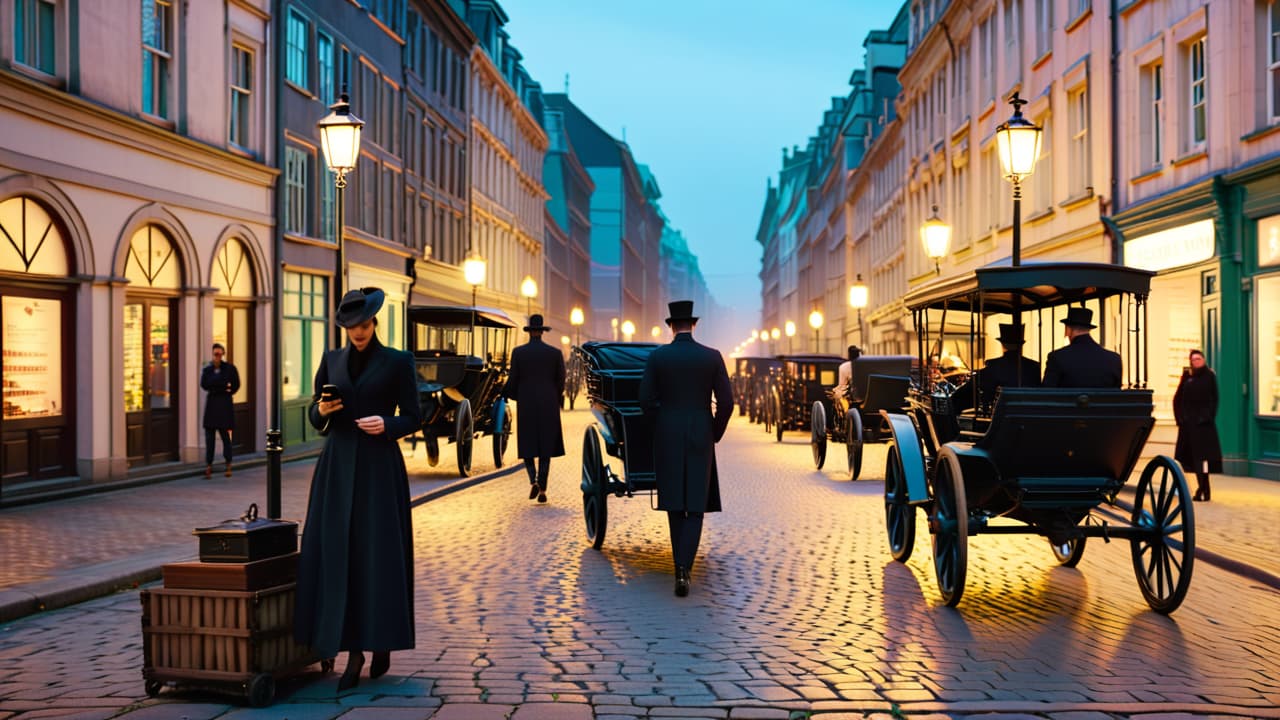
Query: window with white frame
x=328, y=206
x=325, y=87
x=1197, y=99
x=240, y=128
x=1042, y=179
x=1078, y=141
x=987, y=38
x=296, y=62
x=1078, y=8
x=1273, y=62
x=297, y=164
x=962, y=192
x=991, y=179
x=1012, y=35
x=960, y=83
x=35, y=34
x=1152, y=115
x=1044, y=27
x=157, y=56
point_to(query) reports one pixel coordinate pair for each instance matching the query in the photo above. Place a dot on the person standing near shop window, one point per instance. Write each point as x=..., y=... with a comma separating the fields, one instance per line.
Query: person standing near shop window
x=1195, y=408
x=221, y=380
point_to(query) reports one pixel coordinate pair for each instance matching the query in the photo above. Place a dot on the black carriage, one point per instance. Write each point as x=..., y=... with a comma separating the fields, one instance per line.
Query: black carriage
x=461, y=357
x=621, y=429
x=800, y=383
x=1048, y=458
x=751, y=382
x=879, y=382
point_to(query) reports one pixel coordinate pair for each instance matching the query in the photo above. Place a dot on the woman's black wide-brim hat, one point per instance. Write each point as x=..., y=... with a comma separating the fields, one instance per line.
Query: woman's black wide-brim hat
x=358, y=306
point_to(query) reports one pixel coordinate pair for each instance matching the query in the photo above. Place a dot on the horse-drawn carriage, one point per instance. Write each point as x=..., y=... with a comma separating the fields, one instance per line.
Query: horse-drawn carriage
x=879, y=382
x=1044, y=457
x=461, y=354
x=613, y=373
x=752, y=379
x=796, y=387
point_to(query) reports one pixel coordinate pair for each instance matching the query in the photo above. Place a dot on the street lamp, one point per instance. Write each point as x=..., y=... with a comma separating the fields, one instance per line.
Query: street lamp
x=1018, y=141
x=754, y=333
x=340, y=141
x=529, y=289
x=815, y=322
x=936, y=236
x=473, y=269
x=576, y=318
x=656, y=332
x=774, y=334
x=613, y=323
x=859, y=296
x=790, y=329
x=628, y=329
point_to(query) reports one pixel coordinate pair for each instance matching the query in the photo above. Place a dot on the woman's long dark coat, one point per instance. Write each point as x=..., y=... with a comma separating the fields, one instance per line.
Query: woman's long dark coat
x=218, y=411
x=355, y=575
x=679, y=382
x=536, y=383
x=1195, y=407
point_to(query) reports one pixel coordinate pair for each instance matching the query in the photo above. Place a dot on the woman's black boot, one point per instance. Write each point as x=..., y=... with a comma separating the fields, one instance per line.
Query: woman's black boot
x=380, y=665
x=351, y=676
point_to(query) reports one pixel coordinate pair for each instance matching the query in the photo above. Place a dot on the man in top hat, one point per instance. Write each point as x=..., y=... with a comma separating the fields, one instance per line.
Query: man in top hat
x=844, y=376
x=1010, y=369
x=680, y=380
x=536, y=383
x=1083, y=363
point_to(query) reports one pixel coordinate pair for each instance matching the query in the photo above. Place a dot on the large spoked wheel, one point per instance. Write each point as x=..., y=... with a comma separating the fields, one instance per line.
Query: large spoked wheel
x=853, y=443
x=950, y=526
x=502, y=433
x=776, y=404
x=1164, y=558
x=899, y=517
x=818, y=438
x=594, y=508
x=1068, y=553
x=465, y=426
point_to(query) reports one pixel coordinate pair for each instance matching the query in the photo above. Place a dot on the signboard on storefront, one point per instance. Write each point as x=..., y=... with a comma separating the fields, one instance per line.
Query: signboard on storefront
x=1269, y=241
x=1172, y=248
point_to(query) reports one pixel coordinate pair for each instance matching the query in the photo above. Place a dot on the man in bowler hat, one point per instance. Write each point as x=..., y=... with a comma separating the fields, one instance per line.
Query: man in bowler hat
x=1083, y=363
x=536, y=383
x=680, y=380
x=1010, y=369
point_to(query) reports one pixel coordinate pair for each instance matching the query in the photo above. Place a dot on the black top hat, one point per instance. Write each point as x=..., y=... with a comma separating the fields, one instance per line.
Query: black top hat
x=854, y=352
x=681, y=310
x=1081, y=317
x=1011, y=334
x=535, y=323
x=358, y=306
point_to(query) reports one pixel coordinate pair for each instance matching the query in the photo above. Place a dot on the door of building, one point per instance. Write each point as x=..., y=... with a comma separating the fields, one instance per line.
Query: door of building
x=151, y=395
x=233, y=328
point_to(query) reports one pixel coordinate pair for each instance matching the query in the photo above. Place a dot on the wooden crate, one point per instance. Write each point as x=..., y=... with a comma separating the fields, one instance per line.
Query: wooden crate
x=221, y=639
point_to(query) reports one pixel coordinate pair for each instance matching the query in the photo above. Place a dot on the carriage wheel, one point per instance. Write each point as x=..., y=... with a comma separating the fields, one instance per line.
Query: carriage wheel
x=502, y=437
x=433, y=450
x=950, y=526
x=465, y=427
x=853, y=442
x=261, y=690
x=1068, y=552
x=1163, y=560
x=152, y=687
x=818, y=439
x=899, y=517
x=776, y=405
x=595, y=509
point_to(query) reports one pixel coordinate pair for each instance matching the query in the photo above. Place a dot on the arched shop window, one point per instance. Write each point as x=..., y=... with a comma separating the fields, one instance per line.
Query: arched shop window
x=232, y=311
x=152, y=260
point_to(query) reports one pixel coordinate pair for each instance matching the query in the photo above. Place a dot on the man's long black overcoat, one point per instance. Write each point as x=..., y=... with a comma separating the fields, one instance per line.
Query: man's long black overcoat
x=1082, y=364
x=679, y=382
x=536, y=383
x=219, y=412
x=355, y=574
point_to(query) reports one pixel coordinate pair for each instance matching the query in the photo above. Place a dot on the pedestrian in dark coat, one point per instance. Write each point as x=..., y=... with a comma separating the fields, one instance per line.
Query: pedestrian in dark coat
x=1083, y=363
x=355, y=575
x=536, y=383
x=679, y=383
x=221, y=380
x=1195, y=408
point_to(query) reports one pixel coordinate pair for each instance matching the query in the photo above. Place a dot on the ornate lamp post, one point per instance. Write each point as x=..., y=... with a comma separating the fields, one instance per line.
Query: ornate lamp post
x=576, y=318
x=628, y=329
x=1018, y=142
x=936, y=236
x=790, y=329
x=859, y=296
x=529, y=289
x=815, y=322
x=474, y=269
x=340, y=141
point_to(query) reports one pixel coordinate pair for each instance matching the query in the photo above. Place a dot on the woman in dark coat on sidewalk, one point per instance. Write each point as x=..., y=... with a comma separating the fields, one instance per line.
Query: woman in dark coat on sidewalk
x=1195, y=408
x=355, y=574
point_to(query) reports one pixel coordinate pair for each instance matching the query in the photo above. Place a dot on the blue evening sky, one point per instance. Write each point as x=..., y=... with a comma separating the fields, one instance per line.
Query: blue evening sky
x=709, y=92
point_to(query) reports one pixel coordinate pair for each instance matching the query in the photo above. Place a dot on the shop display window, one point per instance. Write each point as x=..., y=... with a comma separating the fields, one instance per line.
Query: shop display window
x=32, y=342
x=1267, y=302
x=304, y=331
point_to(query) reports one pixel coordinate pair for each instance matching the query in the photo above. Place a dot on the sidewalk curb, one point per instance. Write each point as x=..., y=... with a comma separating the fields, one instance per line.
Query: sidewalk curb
x=77, y=585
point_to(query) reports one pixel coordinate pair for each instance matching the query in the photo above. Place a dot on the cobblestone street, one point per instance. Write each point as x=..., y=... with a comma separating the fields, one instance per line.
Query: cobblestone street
x=796, y=608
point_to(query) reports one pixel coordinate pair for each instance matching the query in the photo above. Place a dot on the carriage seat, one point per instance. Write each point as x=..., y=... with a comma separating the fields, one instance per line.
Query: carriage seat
x=1060, y=444
x=885, y=392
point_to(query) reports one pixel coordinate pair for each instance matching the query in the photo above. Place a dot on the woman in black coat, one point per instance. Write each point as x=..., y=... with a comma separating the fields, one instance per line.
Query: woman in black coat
x=1195, y=408
x=355, y=574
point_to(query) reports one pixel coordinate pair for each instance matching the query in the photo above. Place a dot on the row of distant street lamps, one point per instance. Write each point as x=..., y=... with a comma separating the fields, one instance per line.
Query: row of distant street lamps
x=1018, y=144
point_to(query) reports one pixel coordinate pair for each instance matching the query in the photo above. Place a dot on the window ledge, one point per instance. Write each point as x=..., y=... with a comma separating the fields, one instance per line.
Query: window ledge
x=1040, y=216
x=1190, y=157
x=299, y=88
x=38, y=75
x=1077, y=200
x=306, y=240
x=237, y=149
x=1035, y=65
x=1262, y=132
x=157, y=120
x=1077, y=20
x=986, y=109
x=1151, y=174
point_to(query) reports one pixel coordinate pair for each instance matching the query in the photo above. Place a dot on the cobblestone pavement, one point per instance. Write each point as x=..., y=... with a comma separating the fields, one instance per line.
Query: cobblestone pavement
x=796, y=608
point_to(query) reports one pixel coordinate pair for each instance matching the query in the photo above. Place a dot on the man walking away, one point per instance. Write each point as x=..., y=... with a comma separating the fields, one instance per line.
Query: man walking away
x=536, y=383
x=680, y=380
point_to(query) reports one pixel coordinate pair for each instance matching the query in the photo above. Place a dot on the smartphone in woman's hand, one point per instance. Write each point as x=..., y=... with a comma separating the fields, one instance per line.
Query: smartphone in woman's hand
x=329, y=392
